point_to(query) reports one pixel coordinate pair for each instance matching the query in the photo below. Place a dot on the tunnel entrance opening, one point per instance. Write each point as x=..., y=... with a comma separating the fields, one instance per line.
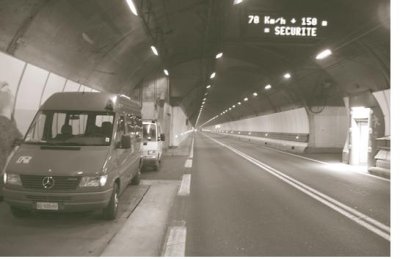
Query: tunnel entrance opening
x=360, y=136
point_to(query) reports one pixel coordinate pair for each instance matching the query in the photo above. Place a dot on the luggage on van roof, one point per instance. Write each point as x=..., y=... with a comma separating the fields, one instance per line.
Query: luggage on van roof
x=72, y=101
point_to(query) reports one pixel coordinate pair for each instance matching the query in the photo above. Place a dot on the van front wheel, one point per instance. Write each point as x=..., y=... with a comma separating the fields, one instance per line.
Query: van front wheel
x=110, y=212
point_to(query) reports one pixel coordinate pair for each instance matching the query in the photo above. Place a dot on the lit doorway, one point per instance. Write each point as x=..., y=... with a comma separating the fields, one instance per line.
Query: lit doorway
x=359, y=136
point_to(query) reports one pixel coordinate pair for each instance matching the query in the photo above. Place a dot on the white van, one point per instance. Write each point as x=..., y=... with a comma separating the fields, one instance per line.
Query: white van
x=79, y=154
x=152, y=143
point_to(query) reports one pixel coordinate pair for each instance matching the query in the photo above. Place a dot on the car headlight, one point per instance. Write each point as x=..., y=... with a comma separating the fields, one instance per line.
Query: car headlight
x=151, y=152
x=13, y=179
x=93, y=181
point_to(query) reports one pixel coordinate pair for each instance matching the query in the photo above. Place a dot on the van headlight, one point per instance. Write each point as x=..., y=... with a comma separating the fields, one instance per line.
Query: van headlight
x=13, y=179
x=93, y=181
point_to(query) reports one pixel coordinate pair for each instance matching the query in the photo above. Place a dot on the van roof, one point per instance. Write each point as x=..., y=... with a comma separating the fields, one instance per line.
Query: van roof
x=81, y=101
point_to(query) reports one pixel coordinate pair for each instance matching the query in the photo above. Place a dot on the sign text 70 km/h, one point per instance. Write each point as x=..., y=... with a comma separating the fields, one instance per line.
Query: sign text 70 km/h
x=294, y=27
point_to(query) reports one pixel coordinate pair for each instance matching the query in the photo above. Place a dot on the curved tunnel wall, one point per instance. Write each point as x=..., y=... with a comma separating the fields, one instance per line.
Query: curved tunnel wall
x=292, y=121
x=295, y=129
x=24, y=87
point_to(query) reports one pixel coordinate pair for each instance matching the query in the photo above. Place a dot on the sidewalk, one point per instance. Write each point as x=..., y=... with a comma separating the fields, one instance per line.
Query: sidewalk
x=143, y=232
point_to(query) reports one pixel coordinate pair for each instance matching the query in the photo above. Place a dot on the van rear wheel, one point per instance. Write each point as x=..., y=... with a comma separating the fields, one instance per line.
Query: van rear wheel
x=19, y=213
x=136, y=178
x=110, y=212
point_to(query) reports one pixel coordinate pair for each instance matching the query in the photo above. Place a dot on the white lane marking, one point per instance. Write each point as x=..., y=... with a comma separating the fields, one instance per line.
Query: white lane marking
x=191, y=149
x=176, y=242
x=352, y=214
x=188, y=163
x=325, y=163
x=184, y=189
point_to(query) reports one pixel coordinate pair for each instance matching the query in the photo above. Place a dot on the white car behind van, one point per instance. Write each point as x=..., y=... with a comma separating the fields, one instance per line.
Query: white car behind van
x=152, y=144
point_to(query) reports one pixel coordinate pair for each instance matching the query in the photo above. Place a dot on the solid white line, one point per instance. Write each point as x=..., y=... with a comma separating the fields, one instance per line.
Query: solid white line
x=176, y=242
x=191, y=149
x=349, y=167
x=325, y=163
x=188, y=163
x=354, y=215
x=184, y=189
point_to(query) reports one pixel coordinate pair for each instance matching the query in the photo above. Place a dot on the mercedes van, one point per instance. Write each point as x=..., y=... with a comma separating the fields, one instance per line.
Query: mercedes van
x=152, y=143
x=79, y=154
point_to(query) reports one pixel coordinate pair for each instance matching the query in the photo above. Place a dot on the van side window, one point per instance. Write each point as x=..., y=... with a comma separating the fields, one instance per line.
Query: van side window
x=121, y=125
x=134, y=124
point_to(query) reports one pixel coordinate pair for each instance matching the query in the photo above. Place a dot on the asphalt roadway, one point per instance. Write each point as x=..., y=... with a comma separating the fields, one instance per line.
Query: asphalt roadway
x=239, y=208
x=221, y=196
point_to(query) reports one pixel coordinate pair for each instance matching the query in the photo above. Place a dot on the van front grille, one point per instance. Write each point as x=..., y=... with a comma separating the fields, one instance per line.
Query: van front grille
x=38, y=198
x=61, y=183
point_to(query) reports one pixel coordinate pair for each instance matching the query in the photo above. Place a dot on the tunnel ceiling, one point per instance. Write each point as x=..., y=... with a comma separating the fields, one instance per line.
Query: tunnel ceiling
x=100, y=43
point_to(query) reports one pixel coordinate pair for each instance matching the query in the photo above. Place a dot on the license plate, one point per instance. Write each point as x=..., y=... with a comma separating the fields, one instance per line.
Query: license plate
x=47, y=205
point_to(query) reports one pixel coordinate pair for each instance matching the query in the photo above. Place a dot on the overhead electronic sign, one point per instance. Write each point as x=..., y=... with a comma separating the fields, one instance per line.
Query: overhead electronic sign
x=280, y=26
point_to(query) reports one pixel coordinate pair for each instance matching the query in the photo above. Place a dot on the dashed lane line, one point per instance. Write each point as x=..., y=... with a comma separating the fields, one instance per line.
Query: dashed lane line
x=188, y=163
x=326, y=163
x=191, y=149
x=367, y=222
x=176, y=242
x=184, y=189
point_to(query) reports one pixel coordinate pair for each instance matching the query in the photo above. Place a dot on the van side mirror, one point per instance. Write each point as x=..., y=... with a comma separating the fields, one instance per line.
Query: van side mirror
x=125, y=142
x=162, y=137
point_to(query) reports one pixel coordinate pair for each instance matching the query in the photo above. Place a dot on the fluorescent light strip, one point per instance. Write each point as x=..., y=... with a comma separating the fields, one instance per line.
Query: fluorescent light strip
x=324, y=54
x=154, y=50
x=132, y=7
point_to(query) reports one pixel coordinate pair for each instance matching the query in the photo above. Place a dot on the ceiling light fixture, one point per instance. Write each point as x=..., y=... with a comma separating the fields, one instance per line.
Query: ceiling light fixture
x=324, y=54
x=245, y=99
x=154, y=50
x=212, y=75
x=219, y=55
x=208, y=86
x=267, y=87
x=255, y=94
x=166, y=72
x=132, y=7
x=287, y=75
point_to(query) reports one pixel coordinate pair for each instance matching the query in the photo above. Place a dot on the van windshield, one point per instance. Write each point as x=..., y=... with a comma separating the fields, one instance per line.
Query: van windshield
x=149, y=132
x=71, y=128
